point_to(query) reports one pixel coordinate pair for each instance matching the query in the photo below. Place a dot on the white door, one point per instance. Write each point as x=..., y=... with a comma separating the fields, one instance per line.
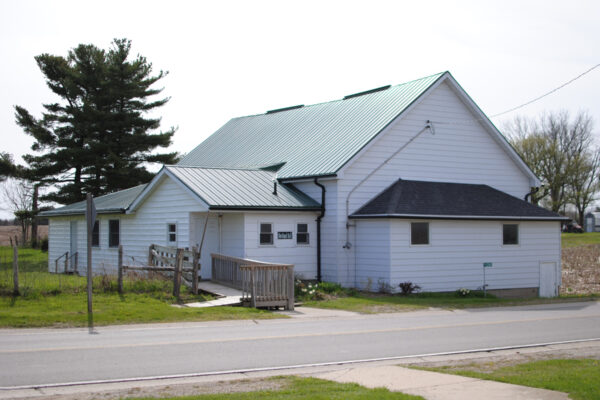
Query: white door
x=548, y=279
x=210, y=244
x=73, y=248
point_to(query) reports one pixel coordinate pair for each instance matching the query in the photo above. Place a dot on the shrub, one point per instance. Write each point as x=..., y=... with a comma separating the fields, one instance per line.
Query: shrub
x=408, y=287
x=44, y=244
x=462, y=292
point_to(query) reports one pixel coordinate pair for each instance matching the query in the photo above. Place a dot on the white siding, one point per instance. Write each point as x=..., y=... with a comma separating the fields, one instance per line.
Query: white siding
x=169, y=203
x=464, y=153
x=285, y=251
x=58, y=239
x=457, y=250
x=372, y=254
x=330, y=242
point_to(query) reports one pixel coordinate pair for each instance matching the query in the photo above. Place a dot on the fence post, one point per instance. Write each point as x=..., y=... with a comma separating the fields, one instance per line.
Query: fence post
x=290, y=277
x=76, y=262
x=253, y=287
x=195, y=261
x=120, y=269
x=15, y=271
x=67, y=262
x=150, y=255
x=177, y=273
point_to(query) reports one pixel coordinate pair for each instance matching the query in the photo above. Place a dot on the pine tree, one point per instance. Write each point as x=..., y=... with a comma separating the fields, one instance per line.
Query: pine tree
x=98, y=138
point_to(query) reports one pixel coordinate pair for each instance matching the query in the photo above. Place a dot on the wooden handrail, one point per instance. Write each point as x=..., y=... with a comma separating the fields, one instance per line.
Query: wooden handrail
x=262, y=284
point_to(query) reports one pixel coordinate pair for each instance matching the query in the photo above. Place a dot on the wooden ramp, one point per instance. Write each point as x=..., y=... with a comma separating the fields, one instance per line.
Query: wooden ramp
x=226, y=296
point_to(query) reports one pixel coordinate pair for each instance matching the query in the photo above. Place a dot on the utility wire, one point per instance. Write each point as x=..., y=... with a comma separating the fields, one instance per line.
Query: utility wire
x=471, y=120
x=547, y=94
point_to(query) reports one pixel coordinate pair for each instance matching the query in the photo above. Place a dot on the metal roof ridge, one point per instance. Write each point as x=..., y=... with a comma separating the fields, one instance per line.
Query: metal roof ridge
x=439, y=74
x=258, y=169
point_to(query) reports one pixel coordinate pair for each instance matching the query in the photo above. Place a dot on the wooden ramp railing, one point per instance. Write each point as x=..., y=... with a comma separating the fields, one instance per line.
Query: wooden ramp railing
x=167, y=260
x=262, y=284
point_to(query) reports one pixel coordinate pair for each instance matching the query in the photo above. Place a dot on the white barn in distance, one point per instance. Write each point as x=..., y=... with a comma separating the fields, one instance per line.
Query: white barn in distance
x=401, y=183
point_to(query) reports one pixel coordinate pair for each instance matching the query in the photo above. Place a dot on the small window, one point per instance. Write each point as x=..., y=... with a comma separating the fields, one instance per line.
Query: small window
x=266, y=234
x=510, y=234
x=172, y=233
x=113, y=233
x=96, y=234
x=302, y=234
x=419, y=233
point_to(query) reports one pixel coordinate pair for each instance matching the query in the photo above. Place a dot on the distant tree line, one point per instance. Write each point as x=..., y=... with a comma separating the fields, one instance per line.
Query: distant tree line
x=97, y=137
x=562, y=152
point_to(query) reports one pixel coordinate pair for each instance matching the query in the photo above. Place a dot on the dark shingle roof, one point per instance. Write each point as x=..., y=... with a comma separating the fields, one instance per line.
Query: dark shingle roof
x=418, y=199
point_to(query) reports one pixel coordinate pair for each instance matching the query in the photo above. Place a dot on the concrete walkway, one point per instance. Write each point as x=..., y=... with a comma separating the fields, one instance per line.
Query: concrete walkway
x=227, y=296
x=436, y=386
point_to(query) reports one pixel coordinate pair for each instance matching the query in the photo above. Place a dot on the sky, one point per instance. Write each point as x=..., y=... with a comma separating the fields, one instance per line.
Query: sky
x=232, y=58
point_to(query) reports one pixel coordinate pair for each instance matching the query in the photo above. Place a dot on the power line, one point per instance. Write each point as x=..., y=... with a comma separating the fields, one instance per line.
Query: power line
x=547, y=94
x=471, y=120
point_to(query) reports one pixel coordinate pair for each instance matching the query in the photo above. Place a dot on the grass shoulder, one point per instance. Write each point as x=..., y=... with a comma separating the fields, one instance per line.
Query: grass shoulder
x=577, y=377
x=293, y=388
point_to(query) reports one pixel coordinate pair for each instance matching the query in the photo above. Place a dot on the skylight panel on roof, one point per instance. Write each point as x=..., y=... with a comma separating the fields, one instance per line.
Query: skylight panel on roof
x=284, y=109
x=379, y=89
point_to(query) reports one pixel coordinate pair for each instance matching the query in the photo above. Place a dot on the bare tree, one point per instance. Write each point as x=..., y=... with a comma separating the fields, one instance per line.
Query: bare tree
x=18, y=194
x=560, y=152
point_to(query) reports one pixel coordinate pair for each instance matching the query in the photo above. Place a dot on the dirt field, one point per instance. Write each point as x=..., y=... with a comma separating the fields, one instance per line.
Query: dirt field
x=7, y=232
x=581, y=270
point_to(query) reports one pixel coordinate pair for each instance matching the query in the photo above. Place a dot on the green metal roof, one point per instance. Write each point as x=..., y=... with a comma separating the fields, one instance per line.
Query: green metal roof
x=113, y=203
x=240, y=189
x=314, y=140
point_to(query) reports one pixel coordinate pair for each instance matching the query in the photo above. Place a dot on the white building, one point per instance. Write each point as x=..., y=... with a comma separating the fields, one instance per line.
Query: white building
x=400, y=183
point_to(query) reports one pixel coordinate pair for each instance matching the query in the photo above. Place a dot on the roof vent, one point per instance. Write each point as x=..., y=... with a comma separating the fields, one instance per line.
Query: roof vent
x=379, y=89
x=284, y=109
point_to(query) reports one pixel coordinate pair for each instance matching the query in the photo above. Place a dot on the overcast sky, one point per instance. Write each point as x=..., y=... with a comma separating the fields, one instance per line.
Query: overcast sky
x=230, y=58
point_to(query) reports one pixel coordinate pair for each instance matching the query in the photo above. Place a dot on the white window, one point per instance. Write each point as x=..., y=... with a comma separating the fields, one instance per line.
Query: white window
x=302, y=234
x=266, y=233
x=419, y=233
x=172, y=233
x=510, y=234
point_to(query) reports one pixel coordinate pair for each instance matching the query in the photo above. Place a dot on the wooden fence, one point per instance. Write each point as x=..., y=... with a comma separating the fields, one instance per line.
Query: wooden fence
x=262, y=284
x=166, y=259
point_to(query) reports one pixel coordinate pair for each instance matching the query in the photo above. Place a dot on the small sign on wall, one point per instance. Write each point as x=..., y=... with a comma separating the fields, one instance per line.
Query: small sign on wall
x=284, y=235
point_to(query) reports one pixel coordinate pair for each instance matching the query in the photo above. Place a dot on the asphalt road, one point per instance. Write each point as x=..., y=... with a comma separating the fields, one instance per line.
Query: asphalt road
x=48, y=356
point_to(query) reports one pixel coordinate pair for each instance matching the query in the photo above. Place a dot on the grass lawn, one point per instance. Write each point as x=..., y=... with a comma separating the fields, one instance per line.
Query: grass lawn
x=57, y=300
x=579, y=239
x=579, y=378
x=294, y=388
x=376, y=303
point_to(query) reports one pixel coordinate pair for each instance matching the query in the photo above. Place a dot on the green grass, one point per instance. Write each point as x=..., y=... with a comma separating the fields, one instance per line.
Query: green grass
x=579, y=239
x=579, y=378
x=295, y=388
x=374, y=303
x=57, y=300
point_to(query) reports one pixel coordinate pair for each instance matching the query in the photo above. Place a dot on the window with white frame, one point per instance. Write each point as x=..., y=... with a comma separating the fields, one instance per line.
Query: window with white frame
x=171, y=233
x=266, y=233
x=510, y=234
x=419, y=233
x=302, y=234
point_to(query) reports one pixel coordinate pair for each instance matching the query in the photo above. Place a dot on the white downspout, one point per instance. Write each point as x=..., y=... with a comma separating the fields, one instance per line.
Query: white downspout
x=429, y=126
